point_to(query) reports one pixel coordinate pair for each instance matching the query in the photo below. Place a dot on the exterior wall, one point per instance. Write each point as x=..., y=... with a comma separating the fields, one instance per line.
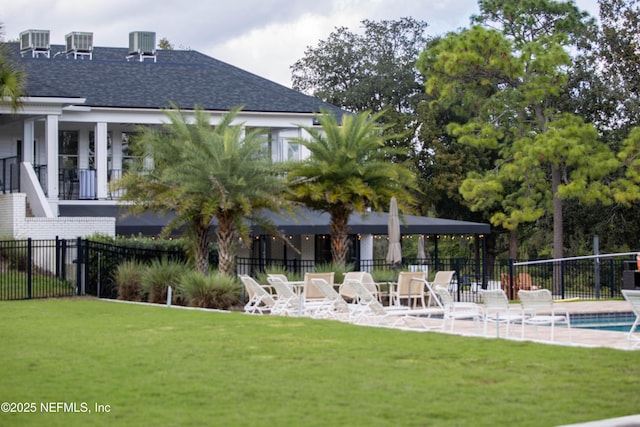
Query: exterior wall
x=14, y=223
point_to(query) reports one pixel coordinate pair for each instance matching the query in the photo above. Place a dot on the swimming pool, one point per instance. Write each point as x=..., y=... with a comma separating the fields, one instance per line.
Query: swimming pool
x=620, y=322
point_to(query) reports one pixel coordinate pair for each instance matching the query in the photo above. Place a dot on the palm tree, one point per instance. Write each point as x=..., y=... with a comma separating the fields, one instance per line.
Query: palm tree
x=349, y=171
x=12, y=80
x=200, y=173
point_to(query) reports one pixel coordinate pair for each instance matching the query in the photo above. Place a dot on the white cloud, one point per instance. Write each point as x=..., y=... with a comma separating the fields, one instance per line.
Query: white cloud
x=262, y=36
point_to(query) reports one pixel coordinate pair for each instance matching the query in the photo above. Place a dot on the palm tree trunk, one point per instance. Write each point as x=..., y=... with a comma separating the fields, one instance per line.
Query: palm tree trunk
x=340, y=235
x=202, y=250
x=227, y=236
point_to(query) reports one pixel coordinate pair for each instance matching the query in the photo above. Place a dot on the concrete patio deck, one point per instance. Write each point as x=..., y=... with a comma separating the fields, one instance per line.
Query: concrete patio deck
x=579, y=336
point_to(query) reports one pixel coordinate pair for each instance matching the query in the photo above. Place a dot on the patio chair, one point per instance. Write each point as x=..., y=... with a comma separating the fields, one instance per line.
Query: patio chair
x=539, y=310
x=260, y=300
x=457, y=310
x=509, y=284
x=310, y=292
x=633, y=297
x=443, y=278
x=410, y=287
x=332, y=306
x=369, y=310
x=349, y=294
x=526, y=282
x=498, y=310
x=288, y=302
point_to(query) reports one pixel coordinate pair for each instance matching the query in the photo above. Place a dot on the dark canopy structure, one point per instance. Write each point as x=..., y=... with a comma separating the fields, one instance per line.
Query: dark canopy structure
x=305, y=221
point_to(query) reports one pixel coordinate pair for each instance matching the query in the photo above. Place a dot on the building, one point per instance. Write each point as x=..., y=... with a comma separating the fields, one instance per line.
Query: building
x=71, y=137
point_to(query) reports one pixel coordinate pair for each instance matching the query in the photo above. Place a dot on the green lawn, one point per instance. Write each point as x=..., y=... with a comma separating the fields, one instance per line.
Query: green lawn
x=168, y=367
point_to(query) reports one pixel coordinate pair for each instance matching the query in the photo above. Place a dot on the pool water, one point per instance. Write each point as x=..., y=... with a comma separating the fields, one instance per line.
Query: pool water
x=620, y=322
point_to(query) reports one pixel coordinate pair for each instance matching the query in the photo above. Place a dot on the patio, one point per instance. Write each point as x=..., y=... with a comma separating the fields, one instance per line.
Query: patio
x=579, y=336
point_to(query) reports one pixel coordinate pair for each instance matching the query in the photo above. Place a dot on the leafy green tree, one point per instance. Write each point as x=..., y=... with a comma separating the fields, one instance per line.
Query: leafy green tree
x=619, y=61
x=348, y=172
x=201, y=173
x=373, y=71
x=165, y=44
x=12, y=80
x=523, y=71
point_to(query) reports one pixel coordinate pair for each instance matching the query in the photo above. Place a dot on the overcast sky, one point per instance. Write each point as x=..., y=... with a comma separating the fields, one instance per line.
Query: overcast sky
x=261, y=36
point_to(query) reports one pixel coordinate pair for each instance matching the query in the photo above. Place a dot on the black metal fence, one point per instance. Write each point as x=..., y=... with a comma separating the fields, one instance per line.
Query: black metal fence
x=37, y=269
x=55, y=268
x=575, y=278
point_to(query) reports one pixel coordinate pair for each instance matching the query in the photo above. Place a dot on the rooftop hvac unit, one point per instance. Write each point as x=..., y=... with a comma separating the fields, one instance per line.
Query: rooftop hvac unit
x=36, y=41
x=79, y=44
x=142, y=43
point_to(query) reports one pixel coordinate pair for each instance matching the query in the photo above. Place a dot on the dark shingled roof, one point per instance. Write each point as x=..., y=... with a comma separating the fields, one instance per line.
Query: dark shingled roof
x=184, y=77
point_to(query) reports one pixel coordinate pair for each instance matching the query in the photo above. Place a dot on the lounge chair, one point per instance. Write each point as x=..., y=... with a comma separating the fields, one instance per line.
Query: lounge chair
x=310, y=292
x=288, y=302
x=369, y=310
x=260, y=301
x=633, y=297
x=498, y=310
x=539, y=310
x=349, y=294
x=410, y=287
x=443, y=278
x=332, y=306
x=457, y=310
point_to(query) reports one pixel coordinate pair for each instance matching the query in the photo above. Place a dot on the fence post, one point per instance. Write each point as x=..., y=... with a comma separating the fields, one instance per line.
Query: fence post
x=57, y=261
x=562, y=279
x=29, y=269
x=512, y=276
x=63, y=260
x=79, y=266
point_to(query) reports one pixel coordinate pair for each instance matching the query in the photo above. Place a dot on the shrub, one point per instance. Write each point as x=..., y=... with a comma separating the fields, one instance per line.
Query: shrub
x=216, y=290
x=128, y=278
x=161, y=274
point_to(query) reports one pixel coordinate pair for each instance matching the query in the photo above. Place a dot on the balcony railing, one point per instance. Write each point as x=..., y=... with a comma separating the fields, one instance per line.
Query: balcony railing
x=10, y=178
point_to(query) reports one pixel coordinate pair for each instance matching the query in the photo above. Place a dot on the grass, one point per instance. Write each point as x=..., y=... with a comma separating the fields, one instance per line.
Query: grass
x=14, y=285
x=167, y=367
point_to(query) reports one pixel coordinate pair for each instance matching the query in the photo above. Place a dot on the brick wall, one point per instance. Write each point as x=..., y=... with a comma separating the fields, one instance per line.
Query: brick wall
x=14, y=223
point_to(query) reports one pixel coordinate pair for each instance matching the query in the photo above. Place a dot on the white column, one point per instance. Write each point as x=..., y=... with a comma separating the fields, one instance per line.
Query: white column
x=83, y=149
x=116, y=153
x=28, y=138
x=366, y=252
x=101, y=160
x=51, y=144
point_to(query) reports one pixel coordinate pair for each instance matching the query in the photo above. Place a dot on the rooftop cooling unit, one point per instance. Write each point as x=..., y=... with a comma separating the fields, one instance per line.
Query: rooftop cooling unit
x=142, y=44
x=79, y=44
x=36, y=41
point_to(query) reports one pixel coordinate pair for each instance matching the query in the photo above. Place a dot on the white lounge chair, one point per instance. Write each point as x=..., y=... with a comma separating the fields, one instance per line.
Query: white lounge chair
x=539, y=310
x=498, y=310
x=633, y=298
x=288, y=302
x=332, y=306
x=348, y=293
x=260, y=301
x=310, y=292
x=369, y=310
x=444, y=278
x=457, y=310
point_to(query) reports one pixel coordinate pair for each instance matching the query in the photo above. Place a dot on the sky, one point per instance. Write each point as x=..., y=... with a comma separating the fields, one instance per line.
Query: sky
x=264, y=37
